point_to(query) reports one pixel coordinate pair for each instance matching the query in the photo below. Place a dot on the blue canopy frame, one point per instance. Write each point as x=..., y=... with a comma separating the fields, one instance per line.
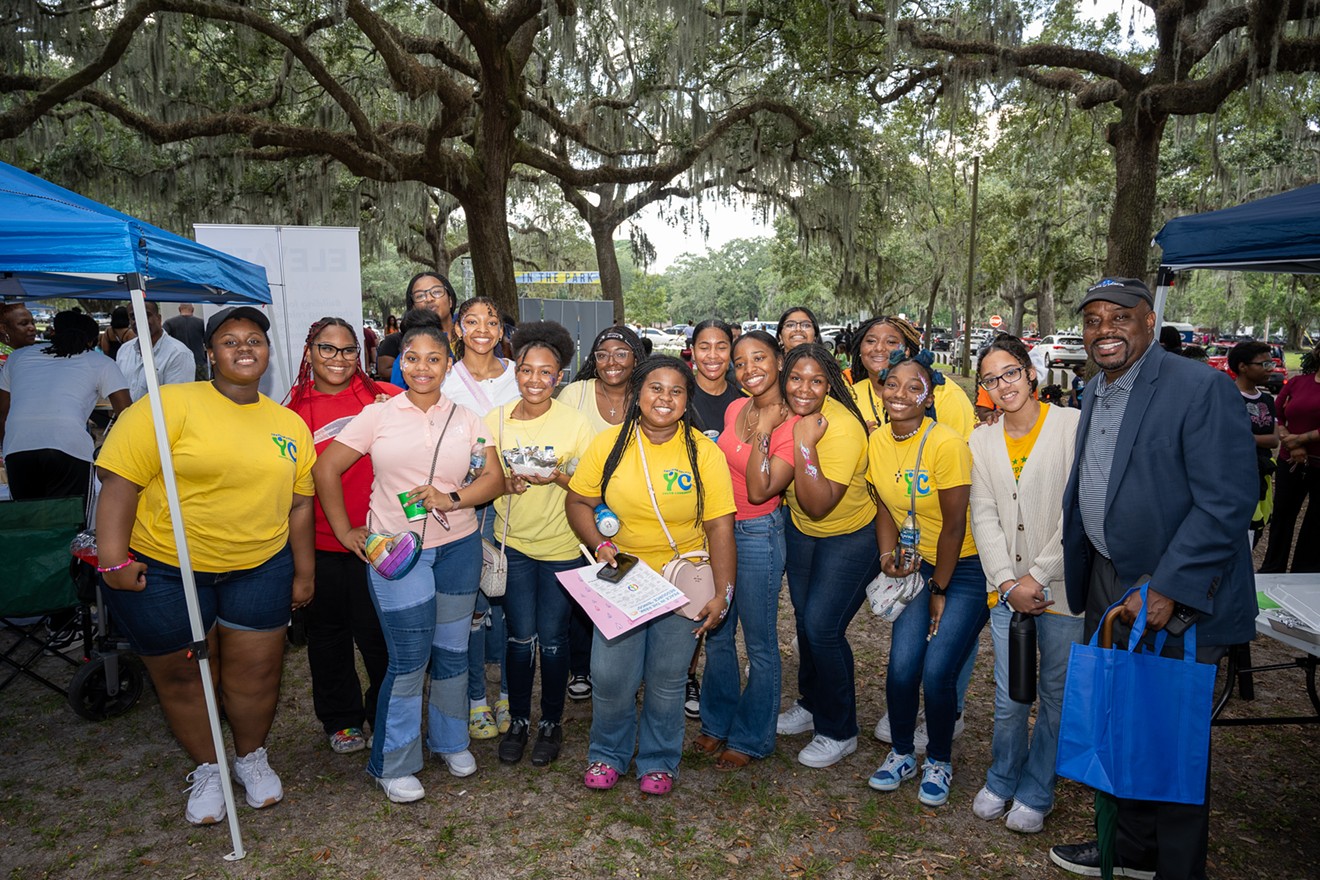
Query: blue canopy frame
x=56, y=243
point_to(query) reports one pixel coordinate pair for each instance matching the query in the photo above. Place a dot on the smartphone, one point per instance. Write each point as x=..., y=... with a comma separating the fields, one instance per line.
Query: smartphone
x=623, y=562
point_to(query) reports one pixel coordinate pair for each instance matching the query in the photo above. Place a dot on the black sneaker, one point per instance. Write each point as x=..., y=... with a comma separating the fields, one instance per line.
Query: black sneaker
x=1084, y=859
x=549, y=737
x=514, y=743
x=579, y=687
x=692, y=700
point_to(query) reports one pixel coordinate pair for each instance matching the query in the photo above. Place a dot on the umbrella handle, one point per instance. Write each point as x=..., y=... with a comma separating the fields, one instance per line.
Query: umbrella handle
x=1107, y=627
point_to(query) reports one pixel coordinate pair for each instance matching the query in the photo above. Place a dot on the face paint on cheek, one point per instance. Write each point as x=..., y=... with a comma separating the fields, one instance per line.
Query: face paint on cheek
x=925, y=391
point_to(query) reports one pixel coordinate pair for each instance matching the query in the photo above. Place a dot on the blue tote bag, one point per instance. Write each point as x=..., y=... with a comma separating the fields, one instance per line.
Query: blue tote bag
x=1135, y=724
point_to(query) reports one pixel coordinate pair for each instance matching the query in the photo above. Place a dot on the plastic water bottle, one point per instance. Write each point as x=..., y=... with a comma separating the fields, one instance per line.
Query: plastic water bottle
x=606, y=521
x=1022, y=658
x=909, y=536
x=477, y=463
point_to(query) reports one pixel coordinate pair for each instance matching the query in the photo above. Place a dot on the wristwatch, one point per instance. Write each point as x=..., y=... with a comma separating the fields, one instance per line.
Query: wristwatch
x=936, y=589
x=453, y=496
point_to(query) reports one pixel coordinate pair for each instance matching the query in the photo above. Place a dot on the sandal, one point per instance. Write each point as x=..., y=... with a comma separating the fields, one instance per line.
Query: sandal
x=656, y=783
x=600, y=776
x=707, y=744
x=732, y=760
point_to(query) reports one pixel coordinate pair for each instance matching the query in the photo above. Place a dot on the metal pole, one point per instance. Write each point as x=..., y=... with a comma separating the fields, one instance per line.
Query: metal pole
x=971, y=270
x=138, y=297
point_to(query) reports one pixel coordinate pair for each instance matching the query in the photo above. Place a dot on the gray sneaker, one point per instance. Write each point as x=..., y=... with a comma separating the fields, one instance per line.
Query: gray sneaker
x=260, y=783
x=206, y=798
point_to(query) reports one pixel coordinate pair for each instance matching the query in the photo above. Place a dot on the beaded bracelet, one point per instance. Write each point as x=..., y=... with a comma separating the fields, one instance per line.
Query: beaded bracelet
x=125, y=564
x=1003, y=597
x=606, y=543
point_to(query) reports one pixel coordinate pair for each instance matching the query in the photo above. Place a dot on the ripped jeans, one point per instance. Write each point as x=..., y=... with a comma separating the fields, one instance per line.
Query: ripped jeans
x=536, y=612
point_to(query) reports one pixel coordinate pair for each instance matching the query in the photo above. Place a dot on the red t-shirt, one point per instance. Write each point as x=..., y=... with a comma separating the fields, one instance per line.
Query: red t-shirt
x=326, y=415
x=738, y=452
x=1298, y=407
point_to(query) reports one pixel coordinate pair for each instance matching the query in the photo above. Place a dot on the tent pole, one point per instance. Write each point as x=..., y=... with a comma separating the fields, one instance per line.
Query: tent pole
x=137, y=294
x=1164, y=281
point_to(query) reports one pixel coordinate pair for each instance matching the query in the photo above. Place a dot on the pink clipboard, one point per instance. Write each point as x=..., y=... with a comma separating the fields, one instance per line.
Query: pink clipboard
x=610, y=618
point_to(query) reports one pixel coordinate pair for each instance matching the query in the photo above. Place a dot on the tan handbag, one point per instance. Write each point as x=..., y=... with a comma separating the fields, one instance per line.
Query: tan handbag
x=690, y=572
x=494, y=564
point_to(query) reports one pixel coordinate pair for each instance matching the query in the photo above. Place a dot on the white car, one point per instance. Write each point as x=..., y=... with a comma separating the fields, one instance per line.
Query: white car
x=661, y=339
x=768, y=326
x=1059, y=350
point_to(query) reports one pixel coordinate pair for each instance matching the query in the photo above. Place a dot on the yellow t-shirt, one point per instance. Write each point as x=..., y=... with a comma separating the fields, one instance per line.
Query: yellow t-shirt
x=946, y=462
x=952, y=407
x=1019, y=448
x=842, y=453
x=537, y=524
x=581, y=396
x=675, y=491
x=237, y=466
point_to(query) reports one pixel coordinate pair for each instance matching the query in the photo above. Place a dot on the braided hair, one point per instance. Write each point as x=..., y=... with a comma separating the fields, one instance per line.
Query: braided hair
x=620, y=333
x=303, y=385
x=73, y=333
x=633, y=415
x=467, y=306
x=909, y=333
x=839, y=389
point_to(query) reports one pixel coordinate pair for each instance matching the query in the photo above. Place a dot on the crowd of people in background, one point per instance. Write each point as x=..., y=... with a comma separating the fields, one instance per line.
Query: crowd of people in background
x=763, y=457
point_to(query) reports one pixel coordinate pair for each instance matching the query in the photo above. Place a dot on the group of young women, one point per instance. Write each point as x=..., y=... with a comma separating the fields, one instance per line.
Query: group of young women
x=806, y=476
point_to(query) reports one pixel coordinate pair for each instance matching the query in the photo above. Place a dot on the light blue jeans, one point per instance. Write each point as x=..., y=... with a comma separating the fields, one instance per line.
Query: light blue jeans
x=932, y=667
x=657, y=653
x=1022, y=764
x=746, y=720
x=426, y=616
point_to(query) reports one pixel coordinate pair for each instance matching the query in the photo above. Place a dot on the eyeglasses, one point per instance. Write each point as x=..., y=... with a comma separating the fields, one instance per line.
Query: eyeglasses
x=430, y=293
x=330, y=352
x=619, y=356
x=798, y=325
x=1268, y=363
x=1009, y=376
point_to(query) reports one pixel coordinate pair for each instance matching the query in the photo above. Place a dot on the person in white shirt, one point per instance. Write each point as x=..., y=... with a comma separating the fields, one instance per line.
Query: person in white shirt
x=174, y=360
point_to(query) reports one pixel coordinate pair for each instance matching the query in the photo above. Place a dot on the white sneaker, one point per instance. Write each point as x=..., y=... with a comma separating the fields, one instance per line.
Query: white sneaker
x=795, y=720
x=261, y=783
x=460, y=763
x=825, y=752
x=206, y=802
x=1025, y=820
x=989, y=805
x=921, y=738
x=402, y=789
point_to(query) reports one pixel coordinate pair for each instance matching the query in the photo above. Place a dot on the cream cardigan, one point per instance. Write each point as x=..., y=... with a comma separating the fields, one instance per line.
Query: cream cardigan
x=1018, y=524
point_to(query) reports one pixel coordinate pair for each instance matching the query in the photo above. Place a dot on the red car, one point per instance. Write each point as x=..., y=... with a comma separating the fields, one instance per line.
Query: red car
x=1218, y=358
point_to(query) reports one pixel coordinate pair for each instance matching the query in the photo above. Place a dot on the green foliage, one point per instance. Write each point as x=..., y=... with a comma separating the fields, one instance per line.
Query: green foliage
x=645, y=300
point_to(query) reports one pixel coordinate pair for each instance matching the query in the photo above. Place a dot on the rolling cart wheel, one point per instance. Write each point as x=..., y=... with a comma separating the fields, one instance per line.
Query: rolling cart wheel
x=87, y=692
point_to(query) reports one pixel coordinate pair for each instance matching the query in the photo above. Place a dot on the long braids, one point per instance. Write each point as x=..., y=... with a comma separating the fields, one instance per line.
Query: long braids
x=303, y=385
x=839, y=389
x=911, y=341
x=632, y=416
x=467, y=306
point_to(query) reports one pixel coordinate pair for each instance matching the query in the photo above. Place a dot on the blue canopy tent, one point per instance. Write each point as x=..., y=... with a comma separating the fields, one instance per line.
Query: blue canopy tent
x=56, y=243
x=1276, y=234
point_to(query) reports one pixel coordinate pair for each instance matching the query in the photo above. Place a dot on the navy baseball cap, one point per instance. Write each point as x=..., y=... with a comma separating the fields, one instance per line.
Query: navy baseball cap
x=255, y=315
x=1125, y=292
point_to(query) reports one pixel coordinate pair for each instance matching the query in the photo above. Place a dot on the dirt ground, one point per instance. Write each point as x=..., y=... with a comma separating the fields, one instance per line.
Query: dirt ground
x=105, y=800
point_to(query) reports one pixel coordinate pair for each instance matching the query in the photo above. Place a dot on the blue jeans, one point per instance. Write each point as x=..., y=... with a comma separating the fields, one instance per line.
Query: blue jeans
x=1022, y=765
x=827, y=580
x=487, y=636
x=657, y=653
x=916, y=665
x=746, y=721
x=426, y=616
x=537, y=609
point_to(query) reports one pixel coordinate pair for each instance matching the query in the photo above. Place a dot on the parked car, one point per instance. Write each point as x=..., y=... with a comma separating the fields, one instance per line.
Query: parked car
x=1059, y=350
x=768, y=326
x=662, y=339
x=829, y=334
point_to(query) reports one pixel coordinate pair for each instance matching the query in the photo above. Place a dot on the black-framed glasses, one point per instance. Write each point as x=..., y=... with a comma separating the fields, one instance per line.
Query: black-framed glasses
x=330, y=352
x=798, y=325
x=1009, y=377
x=1268, y=363
x=430, y=293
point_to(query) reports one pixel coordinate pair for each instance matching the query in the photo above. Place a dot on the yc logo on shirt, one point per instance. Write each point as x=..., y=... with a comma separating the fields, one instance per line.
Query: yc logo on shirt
x=676, y=481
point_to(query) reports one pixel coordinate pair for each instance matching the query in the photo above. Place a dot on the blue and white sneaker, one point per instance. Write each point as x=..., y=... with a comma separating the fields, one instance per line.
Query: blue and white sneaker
x=936, y=777
x=893, y=771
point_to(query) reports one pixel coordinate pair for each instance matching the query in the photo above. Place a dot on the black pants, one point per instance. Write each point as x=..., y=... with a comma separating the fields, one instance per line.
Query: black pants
x=1170, y=838
x=46, y=473
x=1292, y=486
x=341, y=614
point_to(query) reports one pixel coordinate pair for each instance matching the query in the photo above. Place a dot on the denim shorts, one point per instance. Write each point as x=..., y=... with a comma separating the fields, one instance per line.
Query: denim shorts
x=155, y=620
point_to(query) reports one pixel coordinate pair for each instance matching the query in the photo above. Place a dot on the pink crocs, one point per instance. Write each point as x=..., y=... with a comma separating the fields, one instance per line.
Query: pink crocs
x=656, y=783
x=600, y=776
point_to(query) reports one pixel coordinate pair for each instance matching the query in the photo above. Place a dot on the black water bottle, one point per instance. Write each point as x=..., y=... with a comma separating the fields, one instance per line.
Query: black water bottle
x=1022, y=658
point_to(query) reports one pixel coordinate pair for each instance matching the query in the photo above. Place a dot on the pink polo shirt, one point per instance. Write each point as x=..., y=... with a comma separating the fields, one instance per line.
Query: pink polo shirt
x=401, y=440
